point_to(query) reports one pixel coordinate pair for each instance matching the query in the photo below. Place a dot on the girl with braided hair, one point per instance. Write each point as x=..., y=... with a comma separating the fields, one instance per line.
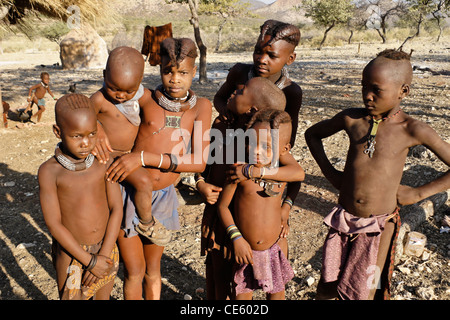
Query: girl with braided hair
x=169, y=141
x=274, y=50
x=255, y=226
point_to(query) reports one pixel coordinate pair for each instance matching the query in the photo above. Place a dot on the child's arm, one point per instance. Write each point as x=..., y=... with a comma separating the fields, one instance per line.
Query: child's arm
x=242, y=250
x=115, y=218
x=112, y=230
x=314, y=136
x=429, y=138
x=294, y=97
x=52, y=216
x=288, y=171
x=102, y=147
x=227, y=88
x=51, y=93
x=31, y=91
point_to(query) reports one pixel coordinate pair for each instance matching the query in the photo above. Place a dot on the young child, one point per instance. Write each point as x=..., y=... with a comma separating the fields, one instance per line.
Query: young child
x=274, y=50
x=81, y=210
x=176, y=118
x=363, y=227
x=255, y=225
x=37, y=96
x=118, y=105
x=256, y=95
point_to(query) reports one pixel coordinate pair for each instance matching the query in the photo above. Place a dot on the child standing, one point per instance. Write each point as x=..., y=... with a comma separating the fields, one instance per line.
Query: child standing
x=37, y=96
x=257, y=94
x=81, y=210
x=175, y=118
x=118, y=105
x=256, y=223
x=363, y=227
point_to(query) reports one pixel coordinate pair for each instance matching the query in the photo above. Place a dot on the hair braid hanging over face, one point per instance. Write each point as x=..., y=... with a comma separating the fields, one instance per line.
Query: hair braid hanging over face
x=177, y=49
x=274, y=117
x=280, y=31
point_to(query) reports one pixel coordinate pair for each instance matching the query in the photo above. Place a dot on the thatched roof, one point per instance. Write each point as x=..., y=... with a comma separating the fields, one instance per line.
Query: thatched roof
x=12, y=11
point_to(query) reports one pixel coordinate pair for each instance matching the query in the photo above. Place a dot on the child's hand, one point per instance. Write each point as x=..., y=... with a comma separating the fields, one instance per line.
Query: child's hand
x=242, y=251
x=102, y=267
x=100, y=270
x=407, y=195
x=103, y=147
x=285, y=209
x=235, y=174
x=209, y=191
x=284, y=229
x=123, y=166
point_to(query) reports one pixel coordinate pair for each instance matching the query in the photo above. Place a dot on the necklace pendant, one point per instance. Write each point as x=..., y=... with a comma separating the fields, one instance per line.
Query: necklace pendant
x=370, y=147
x=173, y=122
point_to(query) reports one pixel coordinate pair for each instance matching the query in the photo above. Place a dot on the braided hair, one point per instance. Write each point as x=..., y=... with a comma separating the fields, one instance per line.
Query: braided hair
x=394, y=54
x=280, y=31
x=177, y=49
x=71, y=102
x=272, y=116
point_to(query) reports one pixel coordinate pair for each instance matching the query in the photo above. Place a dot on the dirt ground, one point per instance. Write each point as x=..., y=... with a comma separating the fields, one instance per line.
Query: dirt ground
x=330, y=79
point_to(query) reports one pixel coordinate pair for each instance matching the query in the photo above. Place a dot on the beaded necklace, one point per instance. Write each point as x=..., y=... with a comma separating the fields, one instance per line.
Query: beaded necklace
x=370, y=149
x=69, y=164
x=174, y=104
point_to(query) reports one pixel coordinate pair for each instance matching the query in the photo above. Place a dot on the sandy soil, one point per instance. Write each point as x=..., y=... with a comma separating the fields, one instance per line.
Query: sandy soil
x=331, y=82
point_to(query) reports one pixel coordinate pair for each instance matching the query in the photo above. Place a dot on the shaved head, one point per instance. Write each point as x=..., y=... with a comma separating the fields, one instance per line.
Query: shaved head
x=126, y=63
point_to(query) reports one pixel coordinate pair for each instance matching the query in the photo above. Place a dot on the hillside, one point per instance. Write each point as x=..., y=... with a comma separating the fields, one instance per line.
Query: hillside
x=285, y=10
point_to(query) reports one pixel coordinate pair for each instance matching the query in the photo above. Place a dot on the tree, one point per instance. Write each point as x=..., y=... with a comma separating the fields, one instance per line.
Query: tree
x=418, y=11
x=329, y=13
x=225, y=9
x=194, y=21
x=440, y=12
x=380, y=11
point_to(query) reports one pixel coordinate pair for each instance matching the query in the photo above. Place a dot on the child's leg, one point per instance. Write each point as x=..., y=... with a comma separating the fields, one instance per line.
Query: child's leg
x=327, y=290
x=41, y=109
x=218, y=276
x=104, y=293
x=382, y=264
x=152, y=278
x=245, y=296
x=132, y=252
x=277, y=296
x=141, y=181
x=33, y=100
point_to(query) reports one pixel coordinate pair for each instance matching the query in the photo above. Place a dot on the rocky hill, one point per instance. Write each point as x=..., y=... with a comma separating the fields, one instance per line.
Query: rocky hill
x=285, y=10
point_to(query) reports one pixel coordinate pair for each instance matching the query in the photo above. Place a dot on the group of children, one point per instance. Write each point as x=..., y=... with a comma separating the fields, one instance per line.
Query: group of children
x=109, y=189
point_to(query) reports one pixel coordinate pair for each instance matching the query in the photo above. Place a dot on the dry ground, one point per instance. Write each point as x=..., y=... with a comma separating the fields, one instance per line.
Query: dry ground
x=331, y=82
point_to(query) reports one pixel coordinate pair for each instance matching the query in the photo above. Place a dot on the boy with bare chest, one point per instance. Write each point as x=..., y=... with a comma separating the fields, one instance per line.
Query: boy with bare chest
x=256, y=223
x=175, y=120
x=82, y=211
x=37, y=97
x=363, y=225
